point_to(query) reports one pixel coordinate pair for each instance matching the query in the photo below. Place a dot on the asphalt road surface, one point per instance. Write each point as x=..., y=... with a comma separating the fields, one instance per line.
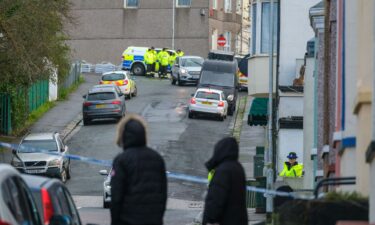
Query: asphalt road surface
x=184, y=143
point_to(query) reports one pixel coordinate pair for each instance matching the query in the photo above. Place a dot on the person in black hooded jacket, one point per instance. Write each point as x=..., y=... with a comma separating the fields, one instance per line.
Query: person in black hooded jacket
x=138, y=182
x=225, y=202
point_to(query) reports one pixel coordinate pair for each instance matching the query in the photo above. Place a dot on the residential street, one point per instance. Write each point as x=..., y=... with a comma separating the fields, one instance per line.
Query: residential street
x=185, y=145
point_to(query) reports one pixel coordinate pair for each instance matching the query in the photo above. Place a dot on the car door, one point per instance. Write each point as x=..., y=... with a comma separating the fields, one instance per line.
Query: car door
x=64, y=151
x=175, y=69
x=20, y=201
x=121, y=96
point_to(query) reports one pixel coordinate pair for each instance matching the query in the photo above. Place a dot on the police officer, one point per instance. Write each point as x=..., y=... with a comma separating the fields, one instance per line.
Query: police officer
x=150, y=61
x=163, y=58
x=180, y=53
x=292, y=168
x=172, y=58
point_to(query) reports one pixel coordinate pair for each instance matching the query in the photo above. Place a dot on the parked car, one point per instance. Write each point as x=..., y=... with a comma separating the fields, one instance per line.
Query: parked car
x=106, y=188
x=242, y=71
x=17, y=206
x=207, y=101
x=186, y=69
x=123, y=80
x=51, y=198
x=103, y=102
x=221, y=75
x=221, y=55
x=42, y=154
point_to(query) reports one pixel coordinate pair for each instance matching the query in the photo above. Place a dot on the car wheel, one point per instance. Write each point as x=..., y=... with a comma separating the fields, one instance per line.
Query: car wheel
x=63, y=175
x=173, y=81
x=179, y=81
x=191, y=115
x=129, y=96
x=68, y=175
x=138, y=70
x=135, y=92
x=105, y=204
x=221, y=118
x=86, y=121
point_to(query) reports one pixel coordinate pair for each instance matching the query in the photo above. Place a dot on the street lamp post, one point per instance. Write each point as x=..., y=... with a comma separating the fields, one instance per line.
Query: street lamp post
x=173, y=21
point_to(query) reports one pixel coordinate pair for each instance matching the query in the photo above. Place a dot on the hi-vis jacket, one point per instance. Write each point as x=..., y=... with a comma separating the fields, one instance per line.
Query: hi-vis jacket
x=292, y=171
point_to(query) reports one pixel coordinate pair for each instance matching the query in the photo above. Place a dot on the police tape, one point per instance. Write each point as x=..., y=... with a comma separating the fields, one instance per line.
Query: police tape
x=173, y=175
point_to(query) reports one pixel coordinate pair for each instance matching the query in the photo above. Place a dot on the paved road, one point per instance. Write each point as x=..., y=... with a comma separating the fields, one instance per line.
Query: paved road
x=185, y=145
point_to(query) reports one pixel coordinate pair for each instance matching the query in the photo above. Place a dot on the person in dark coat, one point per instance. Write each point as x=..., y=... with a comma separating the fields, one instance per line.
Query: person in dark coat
x=225, y=202
x=138, y=178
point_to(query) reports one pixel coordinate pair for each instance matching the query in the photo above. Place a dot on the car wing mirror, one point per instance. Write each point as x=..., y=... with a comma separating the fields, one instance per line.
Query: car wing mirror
x=14, y=151
x=192, y=95
x=84, y=96
x=65, y=149
x=60, y=220
x=121, y=94
x=103, y=172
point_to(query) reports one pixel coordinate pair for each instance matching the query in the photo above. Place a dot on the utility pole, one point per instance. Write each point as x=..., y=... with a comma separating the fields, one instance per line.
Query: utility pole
x=173, y=21
x=269, y=155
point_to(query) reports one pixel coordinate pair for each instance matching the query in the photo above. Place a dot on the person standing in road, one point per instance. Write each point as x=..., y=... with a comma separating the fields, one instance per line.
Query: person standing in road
x=155, y=55
x=149, y=60
x=292, y=168
x=180, y=53
x=138, y=178
x=163, y=58
x=225, y=202
x=172, y=58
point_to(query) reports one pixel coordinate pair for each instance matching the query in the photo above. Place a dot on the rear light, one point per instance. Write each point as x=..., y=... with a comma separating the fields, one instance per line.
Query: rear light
x=221, y=104
x=116, y=102
x=87, y=103
x=193, y=101
x=2, y=222
x=126, y=82
x=47, y=206
x=101, y=82
x=118, y=83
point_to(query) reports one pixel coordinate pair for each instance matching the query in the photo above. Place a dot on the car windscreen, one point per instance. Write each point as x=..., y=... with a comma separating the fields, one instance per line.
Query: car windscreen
x=28, y=146
x=113, y=77
x=208, y=95
x=192, y=62
x=217, y=78
x=101, y=96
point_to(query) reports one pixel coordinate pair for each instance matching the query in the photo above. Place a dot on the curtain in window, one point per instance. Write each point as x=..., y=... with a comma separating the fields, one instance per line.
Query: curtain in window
x=266, y=27
x=228, y=5
x=254, y=28
x=184, y=2
x=132, y=3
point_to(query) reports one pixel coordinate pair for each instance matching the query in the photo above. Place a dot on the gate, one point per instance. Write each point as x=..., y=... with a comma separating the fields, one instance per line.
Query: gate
x=5, y=116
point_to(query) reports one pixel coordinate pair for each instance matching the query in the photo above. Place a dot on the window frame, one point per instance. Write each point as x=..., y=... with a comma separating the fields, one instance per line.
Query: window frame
x=214, y=4
x=183, y=6
x=228, y=7
x=254, y=26
x=265, y=32
x=126, y=5
x=228, y=37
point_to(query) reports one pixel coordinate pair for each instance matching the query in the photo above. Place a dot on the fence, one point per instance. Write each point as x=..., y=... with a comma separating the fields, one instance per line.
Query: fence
x=5, y=119
x=73, y=77
x=38, y=94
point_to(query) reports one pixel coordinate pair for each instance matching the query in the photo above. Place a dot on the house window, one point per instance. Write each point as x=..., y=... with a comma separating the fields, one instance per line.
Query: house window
x=228, y=6
x=130, y=3
x=253, y=28
x=228, y=37
x=214, y=37
x=214, y=4
x=183, y=3
x=239, y=7
x=265, y=35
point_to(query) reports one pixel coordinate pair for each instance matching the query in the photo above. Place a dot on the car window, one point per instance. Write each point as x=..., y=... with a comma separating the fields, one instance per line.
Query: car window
x=28, y=146
x=113, y=77
x=178, y=60
x=222, y=96
x=101, y=96
x=208, y=95
x=73, y=210
x=60, y=143
x=217, y=78
x=19, y=201
x=192, y=62
x=61, y=201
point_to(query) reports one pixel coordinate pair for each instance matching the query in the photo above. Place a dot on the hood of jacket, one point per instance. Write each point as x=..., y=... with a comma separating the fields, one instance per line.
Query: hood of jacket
x=225, y=150
x=131, y=132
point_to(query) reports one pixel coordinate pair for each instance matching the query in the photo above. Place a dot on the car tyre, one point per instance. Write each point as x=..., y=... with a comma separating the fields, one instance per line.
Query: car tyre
x=191, y=115
x=63, y=175
x=179, y=81
x=129, y=96
x=138, y=70
x=221, y=118
x=105, y=204
x=86, y=121
x=135, y=92
x=68, y=172
x=173, y=81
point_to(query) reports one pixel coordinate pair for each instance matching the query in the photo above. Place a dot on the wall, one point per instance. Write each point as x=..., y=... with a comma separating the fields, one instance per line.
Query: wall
x=372, y=195
x=258, y=80
x=308, y=124
x=105, y=28
x=290, y=105
x=285, y=145
x=295, y=32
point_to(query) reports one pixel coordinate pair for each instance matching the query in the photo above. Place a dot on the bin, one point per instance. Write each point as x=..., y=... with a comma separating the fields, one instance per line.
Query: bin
x=259, y=150
x=258, y=165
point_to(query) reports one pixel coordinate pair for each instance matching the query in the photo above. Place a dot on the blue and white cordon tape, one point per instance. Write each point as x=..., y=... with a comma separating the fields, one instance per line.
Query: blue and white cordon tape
x=179, y=176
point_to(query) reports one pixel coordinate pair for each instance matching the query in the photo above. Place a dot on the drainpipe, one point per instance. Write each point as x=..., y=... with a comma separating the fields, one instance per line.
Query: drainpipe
x=173, y=21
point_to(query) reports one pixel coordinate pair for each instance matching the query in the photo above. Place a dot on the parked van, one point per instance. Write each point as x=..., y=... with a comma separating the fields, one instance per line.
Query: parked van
x=221, y=75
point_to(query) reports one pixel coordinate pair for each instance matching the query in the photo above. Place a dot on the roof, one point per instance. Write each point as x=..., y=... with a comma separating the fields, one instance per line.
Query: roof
x=258, y=112
x=101, y=89
x=40, y=136
x=210, y=90
x=219, y=65
x=103, y=86
x=116, y=72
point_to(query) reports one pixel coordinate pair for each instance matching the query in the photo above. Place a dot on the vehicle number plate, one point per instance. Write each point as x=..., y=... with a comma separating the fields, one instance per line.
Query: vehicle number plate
x=196, y=76
x=34, y=171
x=100, y=106
x=206, y=103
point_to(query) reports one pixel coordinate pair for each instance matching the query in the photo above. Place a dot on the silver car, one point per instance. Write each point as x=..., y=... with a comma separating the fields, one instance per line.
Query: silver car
x=103, y=101
x=106, y=187
x=42, y=154
x=186, y=69
x=207, y=101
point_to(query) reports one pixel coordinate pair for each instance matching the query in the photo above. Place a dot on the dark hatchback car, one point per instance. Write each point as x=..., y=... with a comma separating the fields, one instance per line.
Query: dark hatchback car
x=52, y=198
x=221, y=75
x=103, y=102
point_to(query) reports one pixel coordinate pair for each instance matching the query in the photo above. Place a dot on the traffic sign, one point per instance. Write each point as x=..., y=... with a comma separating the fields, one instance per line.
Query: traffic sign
x=221, y=41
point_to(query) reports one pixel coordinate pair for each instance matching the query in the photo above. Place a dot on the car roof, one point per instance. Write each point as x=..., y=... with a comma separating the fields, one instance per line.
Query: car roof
x=115, y=72
x=219, y=65
x=209, y=90
x=191, y=56
x=104, y=86
x=101, y=89
x=40, y=136
x=7, y=170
